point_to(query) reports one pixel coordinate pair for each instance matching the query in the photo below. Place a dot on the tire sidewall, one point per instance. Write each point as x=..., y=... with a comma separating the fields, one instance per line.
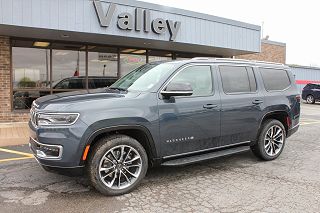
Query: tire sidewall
x=103, y=146
x=266, y=127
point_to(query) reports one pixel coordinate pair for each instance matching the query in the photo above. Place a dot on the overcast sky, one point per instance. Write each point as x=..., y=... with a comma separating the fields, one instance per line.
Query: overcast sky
x=294, y=22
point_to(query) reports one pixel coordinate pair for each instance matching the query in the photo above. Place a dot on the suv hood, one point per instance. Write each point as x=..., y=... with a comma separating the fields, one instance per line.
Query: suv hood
x=82, y=96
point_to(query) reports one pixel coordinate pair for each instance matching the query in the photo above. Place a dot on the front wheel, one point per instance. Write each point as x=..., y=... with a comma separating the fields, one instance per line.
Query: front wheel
x=310, y=99
x=271, y=140
x=117, y=165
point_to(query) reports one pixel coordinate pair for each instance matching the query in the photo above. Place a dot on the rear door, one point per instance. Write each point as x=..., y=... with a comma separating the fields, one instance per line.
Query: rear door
x=241, y=104
x=191, y=123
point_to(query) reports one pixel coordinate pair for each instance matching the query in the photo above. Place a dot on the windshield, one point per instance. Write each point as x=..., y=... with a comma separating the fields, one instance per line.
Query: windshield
x=143, y=78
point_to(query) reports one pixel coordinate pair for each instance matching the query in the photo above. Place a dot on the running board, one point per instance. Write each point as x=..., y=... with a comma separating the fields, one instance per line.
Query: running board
x=204, y=157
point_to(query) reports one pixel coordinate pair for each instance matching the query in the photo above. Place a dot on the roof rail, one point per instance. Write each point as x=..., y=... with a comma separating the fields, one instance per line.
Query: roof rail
x=232, y=59
x=248, y=61
x=238, y=60
x=201, y=58
x=266, y=62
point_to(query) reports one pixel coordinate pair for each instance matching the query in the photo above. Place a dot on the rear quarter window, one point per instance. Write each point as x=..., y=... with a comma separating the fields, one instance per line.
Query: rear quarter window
x=275, y=79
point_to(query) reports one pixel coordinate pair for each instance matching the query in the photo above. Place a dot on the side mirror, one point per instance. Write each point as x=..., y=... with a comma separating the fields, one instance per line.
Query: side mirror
x=177, y=89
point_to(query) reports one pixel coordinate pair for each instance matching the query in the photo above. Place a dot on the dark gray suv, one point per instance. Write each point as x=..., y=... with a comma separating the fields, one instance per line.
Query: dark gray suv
x=166, y=113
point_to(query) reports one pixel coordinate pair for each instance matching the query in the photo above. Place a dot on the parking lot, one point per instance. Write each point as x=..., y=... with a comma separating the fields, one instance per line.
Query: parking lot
x=239, y=183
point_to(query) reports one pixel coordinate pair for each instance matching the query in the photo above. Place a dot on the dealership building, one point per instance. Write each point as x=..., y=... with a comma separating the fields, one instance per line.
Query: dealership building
x=45, y=42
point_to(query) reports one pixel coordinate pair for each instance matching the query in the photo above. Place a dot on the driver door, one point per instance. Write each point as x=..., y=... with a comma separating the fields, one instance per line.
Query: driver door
x=191, y=123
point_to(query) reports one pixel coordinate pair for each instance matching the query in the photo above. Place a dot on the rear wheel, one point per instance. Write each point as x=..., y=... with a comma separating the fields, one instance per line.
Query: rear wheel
x=117, y=165
x=271, y=140
x=310, y=99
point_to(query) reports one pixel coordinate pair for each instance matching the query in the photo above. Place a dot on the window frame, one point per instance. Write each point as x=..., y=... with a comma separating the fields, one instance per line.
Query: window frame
x=273, y=68
x=240, y=65
x=180, y=69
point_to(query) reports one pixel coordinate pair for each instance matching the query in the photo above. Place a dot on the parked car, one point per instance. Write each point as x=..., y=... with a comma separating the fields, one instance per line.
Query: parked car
x=24, y=99
x=80, y=82
x=166, y=113
x=311, y=93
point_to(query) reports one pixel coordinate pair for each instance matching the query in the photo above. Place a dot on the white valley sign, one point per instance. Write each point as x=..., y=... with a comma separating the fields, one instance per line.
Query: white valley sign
x=139, y=21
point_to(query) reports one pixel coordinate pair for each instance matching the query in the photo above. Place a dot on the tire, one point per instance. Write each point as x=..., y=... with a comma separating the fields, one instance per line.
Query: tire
x=269, y=145
x=310, y=99
x=113, y=157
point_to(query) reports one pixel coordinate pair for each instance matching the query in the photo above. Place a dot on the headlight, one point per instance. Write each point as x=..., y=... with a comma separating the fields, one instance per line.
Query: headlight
x=56, y=119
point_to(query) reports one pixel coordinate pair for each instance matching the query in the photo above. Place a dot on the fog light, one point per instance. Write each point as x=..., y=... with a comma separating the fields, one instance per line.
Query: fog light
x=48, y=151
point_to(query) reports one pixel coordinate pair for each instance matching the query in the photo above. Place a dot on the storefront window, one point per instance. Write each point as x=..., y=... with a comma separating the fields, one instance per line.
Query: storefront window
x=131, y=59
x=68, y=69
x=30, y=67
x=103, y=66
x=31, y=75
x=159, y=56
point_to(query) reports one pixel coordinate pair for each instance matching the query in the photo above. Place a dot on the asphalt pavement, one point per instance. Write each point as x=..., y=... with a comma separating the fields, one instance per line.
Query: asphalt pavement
x=239, y=183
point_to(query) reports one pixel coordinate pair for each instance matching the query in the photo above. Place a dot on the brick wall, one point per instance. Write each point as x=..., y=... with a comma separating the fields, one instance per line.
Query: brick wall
x=6, y=115
x=270, y=51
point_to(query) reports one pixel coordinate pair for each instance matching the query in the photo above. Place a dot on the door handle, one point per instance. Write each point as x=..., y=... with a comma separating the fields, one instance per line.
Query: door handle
x=210, y=106
x=258, y=101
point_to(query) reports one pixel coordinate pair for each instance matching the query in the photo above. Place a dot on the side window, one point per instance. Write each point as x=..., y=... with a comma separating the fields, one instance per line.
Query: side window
x=275, y=79
x=237, y=79
x=77, y=83
x=62, y=85
x=102, y=82
x=199, y=77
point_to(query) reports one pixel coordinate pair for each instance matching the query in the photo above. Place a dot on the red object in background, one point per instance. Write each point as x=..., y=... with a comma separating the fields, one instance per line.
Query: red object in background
x=76, y=73
x=307, y=82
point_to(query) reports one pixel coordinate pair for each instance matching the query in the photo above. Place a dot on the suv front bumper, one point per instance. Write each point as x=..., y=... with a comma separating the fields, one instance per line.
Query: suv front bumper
x=59, y=147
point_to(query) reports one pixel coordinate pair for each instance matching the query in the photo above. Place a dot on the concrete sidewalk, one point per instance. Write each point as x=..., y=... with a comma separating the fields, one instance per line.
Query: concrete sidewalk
x=13, y=134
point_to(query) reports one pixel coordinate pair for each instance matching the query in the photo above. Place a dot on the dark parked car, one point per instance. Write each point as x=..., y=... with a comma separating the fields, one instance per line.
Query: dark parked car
x=80, y=82
x=166, y=113
x=24, y=99
x=311, y=93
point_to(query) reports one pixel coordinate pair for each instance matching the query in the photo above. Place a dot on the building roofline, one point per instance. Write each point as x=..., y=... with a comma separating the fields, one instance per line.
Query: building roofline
x=173, y=10
x=273, y=42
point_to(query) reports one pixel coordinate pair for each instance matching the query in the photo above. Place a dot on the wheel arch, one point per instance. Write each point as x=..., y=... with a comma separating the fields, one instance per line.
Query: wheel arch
x=280, y=115
x=138, y=132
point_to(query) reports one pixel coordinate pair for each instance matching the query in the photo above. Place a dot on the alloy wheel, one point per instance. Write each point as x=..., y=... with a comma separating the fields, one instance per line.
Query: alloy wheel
x=310, y=99
x=273, y=140
x=120, y=167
